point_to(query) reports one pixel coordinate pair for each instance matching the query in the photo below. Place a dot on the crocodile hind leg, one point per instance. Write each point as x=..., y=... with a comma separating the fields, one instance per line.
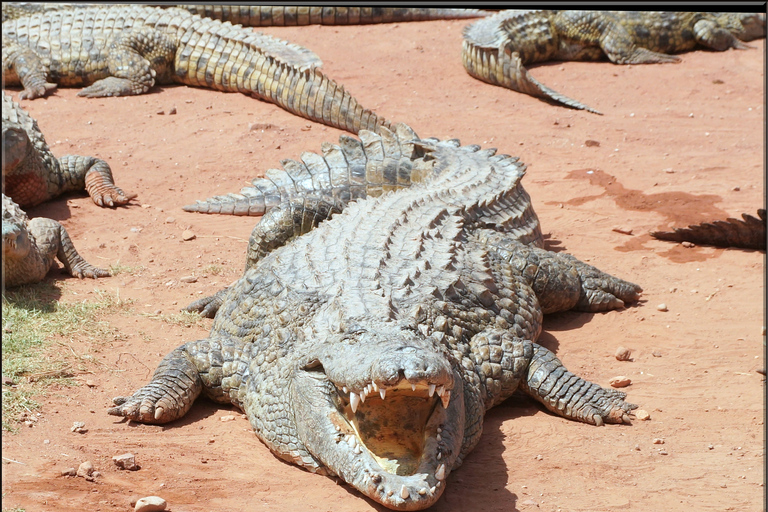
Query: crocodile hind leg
x=598, y=28
x=137, y=60
x=212, y=366
x=560, y=281
x=568, y=395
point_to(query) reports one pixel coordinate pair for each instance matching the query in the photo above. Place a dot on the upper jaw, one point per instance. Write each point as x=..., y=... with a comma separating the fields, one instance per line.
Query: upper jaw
x=407, y=474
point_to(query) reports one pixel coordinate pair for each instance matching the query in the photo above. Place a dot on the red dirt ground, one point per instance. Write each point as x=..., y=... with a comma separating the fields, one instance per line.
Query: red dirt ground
x=678, y=144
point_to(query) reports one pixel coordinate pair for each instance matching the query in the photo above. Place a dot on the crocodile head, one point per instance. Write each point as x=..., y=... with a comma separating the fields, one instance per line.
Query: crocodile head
x=381, y=406
x=16, y=242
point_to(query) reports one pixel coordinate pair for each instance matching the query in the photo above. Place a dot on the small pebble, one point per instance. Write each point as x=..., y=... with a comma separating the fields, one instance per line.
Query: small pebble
x=69, y=472
x=736, y=189
x=188, y=279
x=623, y=354
x=126, y=461
x=656, y=353
x=642, y=415
x=637, y=447
x=711, y=447
x=658, y=441
x=85, y=469
x=662, y=307
x=172, y=111
x=620, y=382
x=150, y=504
x=687, y=244
x=170, y=220
x=90, y=383
x=188, y=235
x=79, y=427
x=228, y=417
x=663, y=452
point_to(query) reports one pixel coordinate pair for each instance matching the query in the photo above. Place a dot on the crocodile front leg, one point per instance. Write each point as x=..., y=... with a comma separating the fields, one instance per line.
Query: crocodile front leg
x=53, y=240
x=214, y=366
x=93, y=174
x=570, y=396
x=137, y=60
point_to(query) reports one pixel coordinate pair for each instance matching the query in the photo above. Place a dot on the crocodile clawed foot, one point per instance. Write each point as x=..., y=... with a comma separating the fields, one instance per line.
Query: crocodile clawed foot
x=140, y=408
x=83, y=270
x=112, y=197
x=38, y=91
x=112, y=86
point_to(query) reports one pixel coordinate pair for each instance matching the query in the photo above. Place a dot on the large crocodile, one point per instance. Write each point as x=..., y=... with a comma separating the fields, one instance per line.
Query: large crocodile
x=30, y=248
x=126, y=50
x=371, y=347
x=32, y=175
x=749, y=233
x=497, y=48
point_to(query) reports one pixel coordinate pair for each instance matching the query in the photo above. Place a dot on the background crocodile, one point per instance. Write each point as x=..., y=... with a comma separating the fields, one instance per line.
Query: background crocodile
x=749, y=233
x=32, y=175
x=125, y=50
x=372, y=346
x=496, y=48
x=31, y=246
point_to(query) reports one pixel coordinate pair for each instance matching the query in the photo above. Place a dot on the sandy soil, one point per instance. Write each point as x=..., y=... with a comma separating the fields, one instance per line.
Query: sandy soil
x=678, y=144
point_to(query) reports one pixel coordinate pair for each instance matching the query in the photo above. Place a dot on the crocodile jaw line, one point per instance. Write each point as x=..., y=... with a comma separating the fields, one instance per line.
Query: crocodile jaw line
x=365, y=448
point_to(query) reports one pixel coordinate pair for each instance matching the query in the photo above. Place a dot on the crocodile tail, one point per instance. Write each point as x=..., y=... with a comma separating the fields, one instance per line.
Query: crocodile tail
x=271, y=15
x=504, y=67
x=749, y=233
x=230, y=204
x=311, y=94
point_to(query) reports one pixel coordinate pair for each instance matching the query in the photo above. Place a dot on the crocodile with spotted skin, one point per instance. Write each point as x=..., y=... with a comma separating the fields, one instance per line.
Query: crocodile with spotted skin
x=126, y=50
x=497, y=48
x=371, y=346
x=32, y=175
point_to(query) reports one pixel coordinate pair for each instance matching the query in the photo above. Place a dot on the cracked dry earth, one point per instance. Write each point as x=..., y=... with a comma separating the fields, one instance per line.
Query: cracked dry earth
x=678, y=144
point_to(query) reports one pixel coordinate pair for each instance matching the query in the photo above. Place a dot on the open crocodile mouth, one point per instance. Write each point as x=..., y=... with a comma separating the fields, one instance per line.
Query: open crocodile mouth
x=398, y=425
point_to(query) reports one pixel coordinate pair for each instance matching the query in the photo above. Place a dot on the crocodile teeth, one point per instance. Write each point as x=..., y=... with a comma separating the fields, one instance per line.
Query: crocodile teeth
x=352, y=442
x=445, y=398
x=440, y=473
x=413, y=386
x=354, y=400
x=404, y=493
x=383, y=393
x=363, y=394
x=345, y=389
x=374, y=386
x=431, y=390
x=440, y=390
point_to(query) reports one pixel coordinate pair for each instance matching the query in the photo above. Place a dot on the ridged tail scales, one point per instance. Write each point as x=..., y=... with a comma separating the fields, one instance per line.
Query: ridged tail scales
x=342, y=172
x=272, y=15
x=749, y=233
x=496, y=48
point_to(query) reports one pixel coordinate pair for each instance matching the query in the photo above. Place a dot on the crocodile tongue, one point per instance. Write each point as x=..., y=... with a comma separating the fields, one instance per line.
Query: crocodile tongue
x=397, y=450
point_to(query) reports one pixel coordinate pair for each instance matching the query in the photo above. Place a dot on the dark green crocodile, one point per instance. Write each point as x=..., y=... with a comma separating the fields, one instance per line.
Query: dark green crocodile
x=497, y=48
x=372, y=346
x=126, y=50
